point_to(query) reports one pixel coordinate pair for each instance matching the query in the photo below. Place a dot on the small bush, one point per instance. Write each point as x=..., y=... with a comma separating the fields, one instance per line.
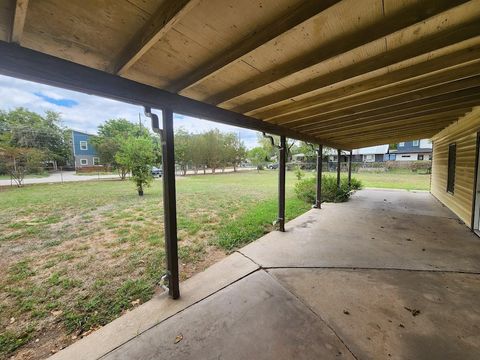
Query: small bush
x=306, y=189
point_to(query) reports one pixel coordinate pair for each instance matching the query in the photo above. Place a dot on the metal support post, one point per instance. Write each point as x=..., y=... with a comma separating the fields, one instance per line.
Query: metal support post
x=339, y=153
x=318, y=201
x=350, y=170
x=281, y=183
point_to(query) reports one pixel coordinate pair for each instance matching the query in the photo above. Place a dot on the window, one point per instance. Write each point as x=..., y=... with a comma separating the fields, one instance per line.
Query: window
x=83, y=162
x=420, y=157
x=83, y=145
x=429, y=157
x=452, y=154
x=416, y=142
x=96, y=161
x=405, y=156
x=402, y=144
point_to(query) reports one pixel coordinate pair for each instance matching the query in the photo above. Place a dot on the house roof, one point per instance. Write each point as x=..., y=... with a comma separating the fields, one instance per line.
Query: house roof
x=379, y=149
x=348, y=74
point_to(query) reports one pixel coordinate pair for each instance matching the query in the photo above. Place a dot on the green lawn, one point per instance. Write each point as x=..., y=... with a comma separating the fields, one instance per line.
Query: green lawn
x=395, y=179
x=80, y=254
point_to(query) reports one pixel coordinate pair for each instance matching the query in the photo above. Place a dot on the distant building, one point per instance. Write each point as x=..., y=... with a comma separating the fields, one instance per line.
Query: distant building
x=370, y=154
x=84, y=152
x=411, y=151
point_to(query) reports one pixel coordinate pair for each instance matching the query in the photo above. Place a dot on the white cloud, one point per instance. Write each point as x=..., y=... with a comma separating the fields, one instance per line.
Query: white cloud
x=92, y=111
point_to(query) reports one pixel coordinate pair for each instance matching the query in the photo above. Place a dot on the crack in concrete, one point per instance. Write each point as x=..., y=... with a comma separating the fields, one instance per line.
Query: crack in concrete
x=312, y=311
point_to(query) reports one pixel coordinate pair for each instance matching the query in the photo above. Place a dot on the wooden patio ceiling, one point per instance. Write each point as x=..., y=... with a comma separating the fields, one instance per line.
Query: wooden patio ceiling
x=348, y=73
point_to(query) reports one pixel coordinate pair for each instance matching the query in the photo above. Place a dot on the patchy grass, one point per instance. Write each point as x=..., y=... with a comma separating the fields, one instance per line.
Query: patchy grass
x=395, y=179
x=75, y=256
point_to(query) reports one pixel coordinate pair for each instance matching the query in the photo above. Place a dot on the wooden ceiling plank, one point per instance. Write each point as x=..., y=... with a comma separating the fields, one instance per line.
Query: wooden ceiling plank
x=35, y=66
x=407, y=127
x=454, y=89
x=388, y=123
x=412, y=108
x=406, y=17
x=441, y=39
x=456, y=58
x=388, y=120
x=405, y=130
x=18, y=22
x=377, y=99
x=166, y=16
x=390, y=93
x=277, y=27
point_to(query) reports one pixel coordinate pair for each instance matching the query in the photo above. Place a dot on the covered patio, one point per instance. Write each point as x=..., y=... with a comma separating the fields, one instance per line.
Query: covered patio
x=389, y=275
x=386, y=275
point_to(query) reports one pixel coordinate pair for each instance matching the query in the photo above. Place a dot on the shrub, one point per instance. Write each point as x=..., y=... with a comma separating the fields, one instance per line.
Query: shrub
x=306, y=189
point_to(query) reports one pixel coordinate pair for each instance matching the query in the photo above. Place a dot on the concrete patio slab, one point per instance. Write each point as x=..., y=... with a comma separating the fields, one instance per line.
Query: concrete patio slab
x=371, y=310
x=161, y=307
x=254, y=319
x=362, y=233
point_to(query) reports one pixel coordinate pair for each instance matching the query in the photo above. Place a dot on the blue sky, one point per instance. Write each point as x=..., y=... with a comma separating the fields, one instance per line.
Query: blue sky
x=85, y=112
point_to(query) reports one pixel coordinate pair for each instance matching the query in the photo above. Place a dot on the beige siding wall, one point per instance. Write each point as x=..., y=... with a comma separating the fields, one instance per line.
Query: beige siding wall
x=464, y=134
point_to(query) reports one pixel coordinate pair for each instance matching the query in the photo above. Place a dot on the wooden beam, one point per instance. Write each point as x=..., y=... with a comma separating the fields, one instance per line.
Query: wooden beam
x=18, y=23
x=438, y=40
x=304, y=11
x=409, y=72
x=39, y=67
x=166, y=16
x=382, y=99
x=398, y=111
x=405, y=17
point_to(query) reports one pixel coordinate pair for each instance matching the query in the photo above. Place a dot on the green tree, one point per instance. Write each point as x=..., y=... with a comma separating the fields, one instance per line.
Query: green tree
x=137, y=154
x=234, y=150
x=258, y=156
x=19, y=161
x=21, y=128
x=110, y=136
x=183, y=149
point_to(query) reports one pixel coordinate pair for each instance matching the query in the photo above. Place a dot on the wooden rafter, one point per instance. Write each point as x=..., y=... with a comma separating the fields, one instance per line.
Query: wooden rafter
x=406, y=17
x=304, y=11
x=391, y=119
x=440, y=39
x=417, y=119
x=169, y=13
x=450, y=98
x=440, y=63
x=395, y=92
x=18, y=22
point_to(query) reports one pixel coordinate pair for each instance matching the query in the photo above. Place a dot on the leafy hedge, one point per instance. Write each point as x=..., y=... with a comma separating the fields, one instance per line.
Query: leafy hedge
x=306, y=189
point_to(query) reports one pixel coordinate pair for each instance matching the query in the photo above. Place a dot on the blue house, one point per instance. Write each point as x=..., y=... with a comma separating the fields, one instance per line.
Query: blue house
x=84, y=152
x=411, y=151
